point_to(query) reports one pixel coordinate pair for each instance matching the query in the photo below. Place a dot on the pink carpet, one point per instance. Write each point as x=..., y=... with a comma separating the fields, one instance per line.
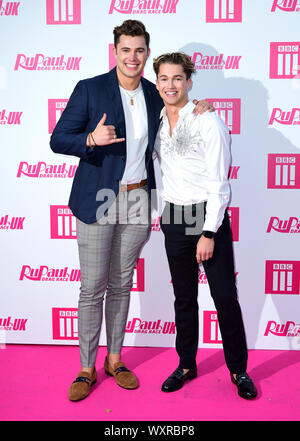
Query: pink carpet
x=34, y=381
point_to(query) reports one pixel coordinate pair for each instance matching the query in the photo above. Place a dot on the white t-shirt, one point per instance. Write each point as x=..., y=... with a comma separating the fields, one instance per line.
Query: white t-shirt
x=136, y=135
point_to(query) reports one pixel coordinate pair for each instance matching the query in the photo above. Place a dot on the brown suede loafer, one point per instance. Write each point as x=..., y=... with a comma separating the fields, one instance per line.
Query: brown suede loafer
x=123, y=376
x=80, y=388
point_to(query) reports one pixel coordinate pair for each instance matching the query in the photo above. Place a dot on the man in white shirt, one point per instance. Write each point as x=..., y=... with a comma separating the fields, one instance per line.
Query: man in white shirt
x=194, y=156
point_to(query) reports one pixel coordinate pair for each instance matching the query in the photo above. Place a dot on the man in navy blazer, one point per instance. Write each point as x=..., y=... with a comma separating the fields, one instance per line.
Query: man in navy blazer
x=110, y=123
x=101, y=168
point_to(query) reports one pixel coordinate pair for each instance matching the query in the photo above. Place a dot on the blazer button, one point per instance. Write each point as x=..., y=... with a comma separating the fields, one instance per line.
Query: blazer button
x=123, y=159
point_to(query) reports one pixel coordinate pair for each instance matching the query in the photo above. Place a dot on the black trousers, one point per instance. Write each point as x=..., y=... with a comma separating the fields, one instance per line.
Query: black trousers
x=220, y=273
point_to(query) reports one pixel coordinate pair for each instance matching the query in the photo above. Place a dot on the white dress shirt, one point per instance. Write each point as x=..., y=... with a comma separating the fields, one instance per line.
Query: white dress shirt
x=136, y=135
x=195, y=162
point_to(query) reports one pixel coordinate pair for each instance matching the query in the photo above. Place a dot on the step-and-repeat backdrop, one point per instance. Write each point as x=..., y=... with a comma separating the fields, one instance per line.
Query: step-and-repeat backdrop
x=247, y=59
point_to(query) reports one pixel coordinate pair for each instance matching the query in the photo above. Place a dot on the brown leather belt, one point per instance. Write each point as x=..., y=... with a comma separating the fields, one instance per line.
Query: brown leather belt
x=125, y=187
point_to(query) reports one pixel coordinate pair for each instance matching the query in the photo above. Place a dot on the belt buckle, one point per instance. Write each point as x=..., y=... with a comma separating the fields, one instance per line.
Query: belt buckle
x=123, y=187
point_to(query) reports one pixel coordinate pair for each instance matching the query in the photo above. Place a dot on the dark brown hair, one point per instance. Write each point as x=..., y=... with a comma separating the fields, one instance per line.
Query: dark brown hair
x=133, y=28
x=175, y=58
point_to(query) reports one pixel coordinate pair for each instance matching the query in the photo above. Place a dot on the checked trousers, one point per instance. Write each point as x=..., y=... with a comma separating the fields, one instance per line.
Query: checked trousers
x=108, y=254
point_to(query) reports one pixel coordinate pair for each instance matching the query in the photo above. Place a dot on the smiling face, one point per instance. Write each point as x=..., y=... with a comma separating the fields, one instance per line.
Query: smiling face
x=131, y=56
x=172, y=84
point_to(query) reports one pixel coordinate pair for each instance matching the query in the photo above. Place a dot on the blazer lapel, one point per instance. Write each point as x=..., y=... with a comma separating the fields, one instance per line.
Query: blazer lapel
x=150, y=114
x=118, y=110
x=116, y=102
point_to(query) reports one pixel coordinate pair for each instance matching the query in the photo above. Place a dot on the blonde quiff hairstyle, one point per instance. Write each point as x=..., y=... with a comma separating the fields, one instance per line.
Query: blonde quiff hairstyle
x=175, y=58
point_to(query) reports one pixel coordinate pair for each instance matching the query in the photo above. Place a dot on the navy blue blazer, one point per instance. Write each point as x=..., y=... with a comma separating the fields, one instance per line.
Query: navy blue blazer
x=103, y=167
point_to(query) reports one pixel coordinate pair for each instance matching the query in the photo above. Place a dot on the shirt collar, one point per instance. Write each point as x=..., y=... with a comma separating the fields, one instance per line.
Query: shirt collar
x=187, y=108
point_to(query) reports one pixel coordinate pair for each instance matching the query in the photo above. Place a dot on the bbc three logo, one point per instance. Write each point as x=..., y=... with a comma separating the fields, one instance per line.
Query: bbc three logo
x=223, y=11
x=55, y=110
x=63, y=223
x=284, y=59
x=229, y=109
x=63, y=12
x=65, y=323
x=284, y=171
x=282, y=277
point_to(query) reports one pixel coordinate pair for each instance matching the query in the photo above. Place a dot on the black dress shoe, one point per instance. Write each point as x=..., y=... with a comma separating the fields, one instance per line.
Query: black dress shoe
x=245, y=385
x=176, y=380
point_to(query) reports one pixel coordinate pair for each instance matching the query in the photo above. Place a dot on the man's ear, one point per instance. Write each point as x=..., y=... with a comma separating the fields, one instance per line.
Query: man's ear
x=189, y=83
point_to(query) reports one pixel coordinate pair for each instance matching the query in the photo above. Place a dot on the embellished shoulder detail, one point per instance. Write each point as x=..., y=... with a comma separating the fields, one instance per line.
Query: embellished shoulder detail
x=184, y=139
